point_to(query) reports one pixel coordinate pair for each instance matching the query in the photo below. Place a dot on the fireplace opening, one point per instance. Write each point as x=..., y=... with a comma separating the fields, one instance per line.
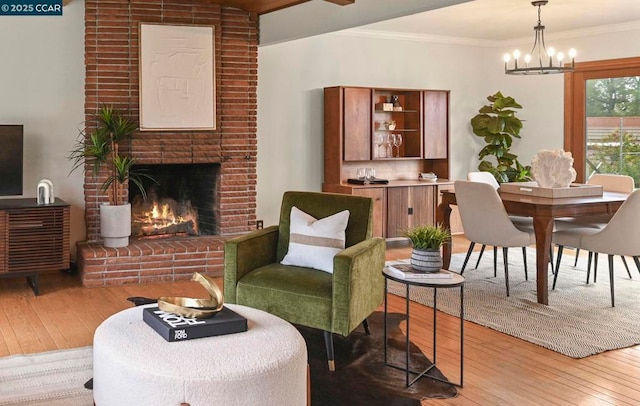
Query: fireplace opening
x=181, y=201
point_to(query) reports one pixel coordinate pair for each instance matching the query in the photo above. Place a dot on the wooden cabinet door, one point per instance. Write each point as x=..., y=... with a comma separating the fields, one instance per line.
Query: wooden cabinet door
x=436, y=124
x=409, y=206
x=422, y=203
x=357, y=124
x=379, y=208
x=397, y=211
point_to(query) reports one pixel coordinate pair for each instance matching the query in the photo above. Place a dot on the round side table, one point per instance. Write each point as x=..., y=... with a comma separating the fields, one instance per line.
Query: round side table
x=134, y=365
x=455, y=281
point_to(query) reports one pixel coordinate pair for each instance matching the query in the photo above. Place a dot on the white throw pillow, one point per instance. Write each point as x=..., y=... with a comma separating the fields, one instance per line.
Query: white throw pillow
x=313, y=243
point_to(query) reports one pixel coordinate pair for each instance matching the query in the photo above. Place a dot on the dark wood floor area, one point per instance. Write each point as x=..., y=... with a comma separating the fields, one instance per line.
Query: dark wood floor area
x=499, y=369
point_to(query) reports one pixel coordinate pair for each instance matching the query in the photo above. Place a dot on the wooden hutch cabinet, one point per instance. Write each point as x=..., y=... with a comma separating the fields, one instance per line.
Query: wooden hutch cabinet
x=397, y=132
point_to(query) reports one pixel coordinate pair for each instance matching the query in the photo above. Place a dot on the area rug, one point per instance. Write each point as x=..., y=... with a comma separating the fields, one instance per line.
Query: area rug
x=57, y=378
x=579, y=320
x=53, y=378
x=361, y=378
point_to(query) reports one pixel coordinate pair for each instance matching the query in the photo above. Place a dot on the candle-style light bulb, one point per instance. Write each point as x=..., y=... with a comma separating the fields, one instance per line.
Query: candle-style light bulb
x=527, y=59
x=551, y=52
x=506, y=59
x=516, y=55
x=560, y=57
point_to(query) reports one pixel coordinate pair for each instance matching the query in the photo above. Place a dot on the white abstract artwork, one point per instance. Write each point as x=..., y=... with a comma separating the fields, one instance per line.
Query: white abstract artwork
x=177, y=70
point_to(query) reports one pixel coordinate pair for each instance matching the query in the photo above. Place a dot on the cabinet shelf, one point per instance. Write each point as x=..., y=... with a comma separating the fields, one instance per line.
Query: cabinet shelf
x=398, y=130
x=396, y=111
x=397, y=158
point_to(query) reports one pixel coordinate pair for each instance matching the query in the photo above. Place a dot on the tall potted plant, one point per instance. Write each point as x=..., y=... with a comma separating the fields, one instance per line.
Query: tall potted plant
x=426, y=241
x=498, y=124
x=99, y=149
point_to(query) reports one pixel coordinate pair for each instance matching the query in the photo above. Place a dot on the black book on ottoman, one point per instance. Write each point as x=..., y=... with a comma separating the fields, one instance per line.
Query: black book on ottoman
x=173, y=327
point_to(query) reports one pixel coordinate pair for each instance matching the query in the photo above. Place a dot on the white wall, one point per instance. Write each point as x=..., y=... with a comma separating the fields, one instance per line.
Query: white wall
x=291, y=77
x=42, y=87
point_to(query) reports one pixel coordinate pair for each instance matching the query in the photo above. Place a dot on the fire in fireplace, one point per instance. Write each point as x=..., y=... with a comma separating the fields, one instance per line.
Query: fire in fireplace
x=158, y=217
x=182, y=202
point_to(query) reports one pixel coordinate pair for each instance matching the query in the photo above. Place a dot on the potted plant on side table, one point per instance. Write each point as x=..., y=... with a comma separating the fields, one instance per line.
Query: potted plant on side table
x=427, y=241
x=99, y=149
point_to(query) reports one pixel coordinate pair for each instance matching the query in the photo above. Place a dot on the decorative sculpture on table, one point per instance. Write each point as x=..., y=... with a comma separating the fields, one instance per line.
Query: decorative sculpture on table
x=553, y=168
x=195, y=307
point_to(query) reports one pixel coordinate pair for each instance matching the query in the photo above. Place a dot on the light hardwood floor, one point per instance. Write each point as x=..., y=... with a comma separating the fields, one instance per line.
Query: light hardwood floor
x=499, y=369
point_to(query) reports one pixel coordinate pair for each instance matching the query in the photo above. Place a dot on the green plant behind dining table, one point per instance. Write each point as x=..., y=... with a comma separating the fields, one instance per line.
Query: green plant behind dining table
x=498, y=124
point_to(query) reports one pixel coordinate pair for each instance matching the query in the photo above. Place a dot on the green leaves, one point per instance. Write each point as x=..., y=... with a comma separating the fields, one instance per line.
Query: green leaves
x=117, y=126
x=428, y=237
x=99, y=149
x=498, y=124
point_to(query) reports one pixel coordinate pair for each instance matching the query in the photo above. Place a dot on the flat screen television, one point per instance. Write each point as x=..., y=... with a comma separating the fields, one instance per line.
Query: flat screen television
x=11, y=145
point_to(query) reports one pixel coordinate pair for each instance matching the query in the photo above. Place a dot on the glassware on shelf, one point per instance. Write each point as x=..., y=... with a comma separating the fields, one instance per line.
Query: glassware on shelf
x=389, y=145
x=379, y=141
x=361, y=173
x=396, y=141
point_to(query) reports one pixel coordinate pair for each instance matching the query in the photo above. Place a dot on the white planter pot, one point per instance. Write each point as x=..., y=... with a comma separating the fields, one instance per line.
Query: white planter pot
x=426, y=260
x=115, y=224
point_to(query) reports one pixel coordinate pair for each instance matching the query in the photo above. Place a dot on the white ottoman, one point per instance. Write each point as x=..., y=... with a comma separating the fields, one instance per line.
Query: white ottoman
x=134, y=365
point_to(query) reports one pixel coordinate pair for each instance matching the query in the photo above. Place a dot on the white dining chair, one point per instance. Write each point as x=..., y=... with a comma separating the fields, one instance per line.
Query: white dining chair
x=619, y=236
x=521, y=222
x=484, y=177
x=485, y=221
x=610, y=183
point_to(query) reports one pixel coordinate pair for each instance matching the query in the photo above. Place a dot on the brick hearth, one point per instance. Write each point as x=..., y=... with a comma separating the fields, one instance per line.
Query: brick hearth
x=147, y=261
x=111, y=59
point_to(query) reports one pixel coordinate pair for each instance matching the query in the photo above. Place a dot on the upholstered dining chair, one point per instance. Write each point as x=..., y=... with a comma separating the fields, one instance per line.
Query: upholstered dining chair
x=610, y=183
x=278, y=269
x=619, y=236
x=485, y=221
x=522, y=222
x=484, y=177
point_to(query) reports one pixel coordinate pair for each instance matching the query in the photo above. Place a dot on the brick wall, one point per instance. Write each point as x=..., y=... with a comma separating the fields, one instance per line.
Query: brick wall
x=112, y=78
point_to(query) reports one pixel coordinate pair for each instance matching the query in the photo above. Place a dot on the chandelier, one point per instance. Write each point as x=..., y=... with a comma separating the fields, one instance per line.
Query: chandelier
x=541, y=60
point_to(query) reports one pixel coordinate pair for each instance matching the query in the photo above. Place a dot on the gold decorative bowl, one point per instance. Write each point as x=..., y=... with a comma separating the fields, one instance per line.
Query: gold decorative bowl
x=195, y=307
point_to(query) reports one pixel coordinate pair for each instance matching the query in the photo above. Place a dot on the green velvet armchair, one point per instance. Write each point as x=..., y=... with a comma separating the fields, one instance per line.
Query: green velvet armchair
x=335, y=302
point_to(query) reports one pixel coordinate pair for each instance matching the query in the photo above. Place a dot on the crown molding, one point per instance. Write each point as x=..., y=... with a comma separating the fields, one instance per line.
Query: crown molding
x=360, y=32
x=441, y=39
x=584, y=32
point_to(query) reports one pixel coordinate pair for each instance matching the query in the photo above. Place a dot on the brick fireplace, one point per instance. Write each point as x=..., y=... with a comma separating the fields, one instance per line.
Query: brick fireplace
x=112, y=78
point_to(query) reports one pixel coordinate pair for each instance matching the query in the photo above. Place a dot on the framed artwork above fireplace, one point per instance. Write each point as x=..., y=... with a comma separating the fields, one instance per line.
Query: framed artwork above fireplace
x=177, y=77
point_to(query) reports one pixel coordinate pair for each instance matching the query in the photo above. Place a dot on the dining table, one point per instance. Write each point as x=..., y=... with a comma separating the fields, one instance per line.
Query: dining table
x=543, y=211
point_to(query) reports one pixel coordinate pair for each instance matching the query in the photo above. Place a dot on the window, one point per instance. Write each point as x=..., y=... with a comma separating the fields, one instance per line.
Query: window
x=602, y=117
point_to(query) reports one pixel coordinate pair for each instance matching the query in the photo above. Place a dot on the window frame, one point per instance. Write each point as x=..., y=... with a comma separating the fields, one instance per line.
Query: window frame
x=575, y=104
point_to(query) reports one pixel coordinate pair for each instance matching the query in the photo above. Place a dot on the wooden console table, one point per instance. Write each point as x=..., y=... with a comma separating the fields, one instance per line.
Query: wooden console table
x=543, y=210
x=33, y=238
